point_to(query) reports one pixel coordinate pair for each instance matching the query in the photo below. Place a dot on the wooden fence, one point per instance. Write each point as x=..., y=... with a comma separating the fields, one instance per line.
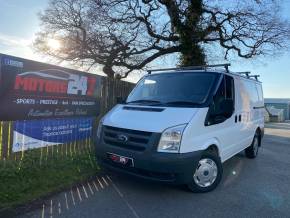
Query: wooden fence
x=111, y=89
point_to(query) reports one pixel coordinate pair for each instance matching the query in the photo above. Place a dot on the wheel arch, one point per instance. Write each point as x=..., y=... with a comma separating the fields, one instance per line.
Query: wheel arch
x=213, y=146
x=213, y=149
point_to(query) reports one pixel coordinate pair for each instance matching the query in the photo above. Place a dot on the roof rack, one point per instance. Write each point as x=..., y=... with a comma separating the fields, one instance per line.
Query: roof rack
x=204, y=67
x=255, y=76
x=247, y=73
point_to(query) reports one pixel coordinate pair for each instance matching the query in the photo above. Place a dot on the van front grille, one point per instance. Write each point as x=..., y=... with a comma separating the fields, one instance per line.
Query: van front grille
x=132, y=139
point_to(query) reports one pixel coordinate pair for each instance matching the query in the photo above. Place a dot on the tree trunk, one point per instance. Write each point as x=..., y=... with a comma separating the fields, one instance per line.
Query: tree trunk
x=192, y=53
x=110, y=85
x=108, y=71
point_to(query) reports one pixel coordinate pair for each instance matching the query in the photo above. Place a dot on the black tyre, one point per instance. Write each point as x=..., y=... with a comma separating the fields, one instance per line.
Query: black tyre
x=253, y=150
x=207, y=174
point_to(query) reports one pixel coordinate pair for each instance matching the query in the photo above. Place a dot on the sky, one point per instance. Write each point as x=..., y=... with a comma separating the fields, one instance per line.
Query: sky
x=19, y=23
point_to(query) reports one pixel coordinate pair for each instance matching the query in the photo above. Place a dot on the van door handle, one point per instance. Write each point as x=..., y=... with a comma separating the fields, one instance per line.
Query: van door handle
x=236, y=118
x=240, y=118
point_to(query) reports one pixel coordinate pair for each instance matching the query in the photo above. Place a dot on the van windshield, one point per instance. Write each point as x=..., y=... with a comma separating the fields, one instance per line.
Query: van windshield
x=173, y=89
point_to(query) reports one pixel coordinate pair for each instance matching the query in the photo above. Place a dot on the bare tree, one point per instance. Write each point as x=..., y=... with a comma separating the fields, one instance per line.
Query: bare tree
x=125, y=35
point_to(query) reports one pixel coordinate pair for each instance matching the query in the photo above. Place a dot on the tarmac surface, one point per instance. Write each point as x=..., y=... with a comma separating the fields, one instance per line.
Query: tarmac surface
x=249, y=188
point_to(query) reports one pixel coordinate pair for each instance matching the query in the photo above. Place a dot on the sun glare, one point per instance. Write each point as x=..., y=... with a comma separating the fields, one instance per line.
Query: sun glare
x=53, y=44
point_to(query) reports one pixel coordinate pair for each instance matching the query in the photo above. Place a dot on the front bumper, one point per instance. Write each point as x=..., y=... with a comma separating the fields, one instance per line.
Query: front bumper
x=150, y=164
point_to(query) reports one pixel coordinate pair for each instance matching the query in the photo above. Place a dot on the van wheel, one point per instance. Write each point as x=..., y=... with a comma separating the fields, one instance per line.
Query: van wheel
x=207, y=174
x=252, y=151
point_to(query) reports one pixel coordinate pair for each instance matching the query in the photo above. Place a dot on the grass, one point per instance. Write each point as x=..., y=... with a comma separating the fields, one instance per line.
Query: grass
x=33, y=176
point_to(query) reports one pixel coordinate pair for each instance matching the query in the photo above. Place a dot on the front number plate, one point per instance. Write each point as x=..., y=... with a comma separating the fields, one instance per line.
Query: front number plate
x=126, y=161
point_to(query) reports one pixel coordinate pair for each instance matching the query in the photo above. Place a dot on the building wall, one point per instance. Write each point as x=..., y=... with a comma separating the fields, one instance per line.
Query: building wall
x=266, y=116
x=284, y=106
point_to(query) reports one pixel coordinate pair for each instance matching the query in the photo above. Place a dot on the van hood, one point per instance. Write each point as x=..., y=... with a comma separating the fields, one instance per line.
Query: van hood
x=150, y=119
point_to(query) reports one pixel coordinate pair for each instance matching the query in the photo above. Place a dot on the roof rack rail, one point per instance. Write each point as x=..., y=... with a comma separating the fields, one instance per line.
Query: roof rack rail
x=247, y=73
x=226, y=66
x=255, y=76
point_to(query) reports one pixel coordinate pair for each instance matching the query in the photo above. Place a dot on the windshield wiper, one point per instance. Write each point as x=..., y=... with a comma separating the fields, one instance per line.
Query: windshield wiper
x=144, y=101
x=181, y=103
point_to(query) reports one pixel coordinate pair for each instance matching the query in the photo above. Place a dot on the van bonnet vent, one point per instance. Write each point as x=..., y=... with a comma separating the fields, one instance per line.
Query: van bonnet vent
x=143, y=109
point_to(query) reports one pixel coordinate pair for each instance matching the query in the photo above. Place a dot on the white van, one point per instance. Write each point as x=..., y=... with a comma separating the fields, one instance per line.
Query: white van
x=180, y=125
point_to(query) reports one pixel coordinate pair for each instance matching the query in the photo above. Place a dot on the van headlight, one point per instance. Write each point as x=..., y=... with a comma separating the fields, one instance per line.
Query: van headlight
x=100, y=126
x=171, y=139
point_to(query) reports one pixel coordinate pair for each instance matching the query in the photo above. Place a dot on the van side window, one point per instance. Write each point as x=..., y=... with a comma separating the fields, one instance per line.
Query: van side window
x=230, y=91
x=223, y=103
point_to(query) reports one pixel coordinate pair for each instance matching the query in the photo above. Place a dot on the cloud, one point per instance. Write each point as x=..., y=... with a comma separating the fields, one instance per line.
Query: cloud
x=17, y=46
x=7, y=40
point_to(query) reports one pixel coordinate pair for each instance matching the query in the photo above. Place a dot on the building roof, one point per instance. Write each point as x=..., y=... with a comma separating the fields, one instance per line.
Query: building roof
x=277, y=100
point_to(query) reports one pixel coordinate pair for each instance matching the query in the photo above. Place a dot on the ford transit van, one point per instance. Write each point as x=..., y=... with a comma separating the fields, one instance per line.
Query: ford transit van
x=179, y=126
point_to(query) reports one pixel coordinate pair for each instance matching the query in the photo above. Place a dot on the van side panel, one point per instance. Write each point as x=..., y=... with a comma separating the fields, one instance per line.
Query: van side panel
x=198, y=137
x=236, y=133
x=250, y=109
x=259, y=115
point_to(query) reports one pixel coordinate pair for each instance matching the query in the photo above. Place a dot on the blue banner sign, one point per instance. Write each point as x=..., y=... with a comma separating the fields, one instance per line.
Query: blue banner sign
x=43, y=133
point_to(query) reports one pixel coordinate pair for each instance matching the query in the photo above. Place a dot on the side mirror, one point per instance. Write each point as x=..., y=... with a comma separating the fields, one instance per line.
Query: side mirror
x=120, y=100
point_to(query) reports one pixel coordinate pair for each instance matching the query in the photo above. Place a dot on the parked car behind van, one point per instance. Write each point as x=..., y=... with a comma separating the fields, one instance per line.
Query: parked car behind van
x=179, y=126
